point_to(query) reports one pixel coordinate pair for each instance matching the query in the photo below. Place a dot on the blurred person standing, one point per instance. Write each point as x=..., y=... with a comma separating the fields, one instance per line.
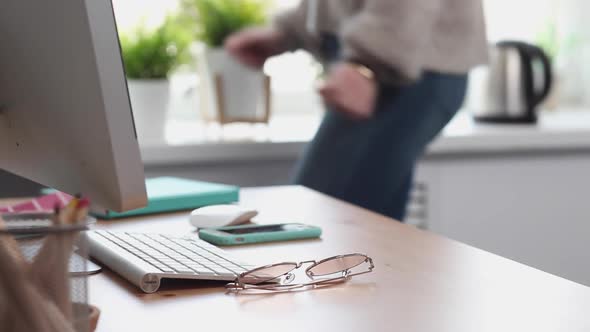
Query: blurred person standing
x=396, y=75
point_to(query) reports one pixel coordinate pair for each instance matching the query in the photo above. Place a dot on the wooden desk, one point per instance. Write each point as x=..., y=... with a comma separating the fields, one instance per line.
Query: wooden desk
x=422, y=282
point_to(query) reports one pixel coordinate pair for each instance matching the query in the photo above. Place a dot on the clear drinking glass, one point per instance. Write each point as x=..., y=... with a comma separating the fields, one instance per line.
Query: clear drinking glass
x=277, y=277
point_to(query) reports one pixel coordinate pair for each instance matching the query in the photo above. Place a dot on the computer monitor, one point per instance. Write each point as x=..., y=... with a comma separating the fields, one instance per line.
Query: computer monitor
x=65, y=115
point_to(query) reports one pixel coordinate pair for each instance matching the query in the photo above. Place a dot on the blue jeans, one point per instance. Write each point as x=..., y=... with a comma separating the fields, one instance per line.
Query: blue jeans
x=370, y=163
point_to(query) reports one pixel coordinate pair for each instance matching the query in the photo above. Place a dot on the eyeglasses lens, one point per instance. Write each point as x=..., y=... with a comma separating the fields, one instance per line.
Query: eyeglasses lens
x=337, y=264
x=267, y=274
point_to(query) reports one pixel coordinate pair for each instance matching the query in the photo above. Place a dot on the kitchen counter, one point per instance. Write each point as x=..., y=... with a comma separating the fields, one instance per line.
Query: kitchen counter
x=193, y=142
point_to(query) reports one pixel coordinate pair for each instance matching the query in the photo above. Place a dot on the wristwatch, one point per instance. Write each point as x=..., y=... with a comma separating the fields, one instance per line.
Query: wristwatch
x=363, y=70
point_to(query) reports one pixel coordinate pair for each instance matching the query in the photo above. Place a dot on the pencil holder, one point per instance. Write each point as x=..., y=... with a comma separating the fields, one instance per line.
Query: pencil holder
x=43, y=279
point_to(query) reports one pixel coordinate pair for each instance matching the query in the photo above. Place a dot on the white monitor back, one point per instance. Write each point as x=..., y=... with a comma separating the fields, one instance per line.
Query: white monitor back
x=65, y=115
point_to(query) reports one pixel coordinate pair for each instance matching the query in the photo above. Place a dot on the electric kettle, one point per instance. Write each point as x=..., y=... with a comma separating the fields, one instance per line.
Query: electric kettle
x=517, y=79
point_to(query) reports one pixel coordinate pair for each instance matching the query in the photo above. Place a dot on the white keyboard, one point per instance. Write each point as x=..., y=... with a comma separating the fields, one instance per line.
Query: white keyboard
x=145, y=259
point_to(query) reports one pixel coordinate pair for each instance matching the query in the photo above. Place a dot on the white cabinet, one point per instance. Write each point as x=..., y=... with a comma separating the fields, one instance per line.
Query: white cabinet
x=533, y=208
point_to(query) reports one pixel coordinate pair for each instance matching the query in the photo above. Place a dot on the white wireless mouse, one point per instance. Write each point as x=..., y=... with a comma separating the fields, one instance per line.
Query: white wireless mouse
x=221, y=215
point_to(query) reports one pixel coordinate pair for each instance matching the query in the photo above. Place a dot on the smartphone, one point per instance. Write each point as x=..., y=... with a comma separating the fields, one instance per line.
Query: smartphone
x=247, y=234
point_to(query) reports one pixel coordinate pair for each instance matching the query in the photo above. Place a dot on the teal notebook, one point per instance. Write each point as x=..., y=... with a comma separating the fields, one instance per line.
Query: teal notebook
x=168, y=194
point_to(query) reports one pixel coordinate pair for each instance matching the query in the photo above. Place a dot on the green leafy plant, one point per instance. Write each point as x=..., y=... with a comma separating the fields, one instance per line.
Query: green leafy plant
x=553, y=44
x=214, y=20
x=155, y=53
x=548, y=40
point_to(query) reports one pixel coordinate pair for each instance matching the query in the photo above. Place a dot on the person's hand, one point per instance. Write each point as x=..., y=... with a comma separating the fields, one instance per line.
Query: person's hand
x=253, y=46
x=349, y=91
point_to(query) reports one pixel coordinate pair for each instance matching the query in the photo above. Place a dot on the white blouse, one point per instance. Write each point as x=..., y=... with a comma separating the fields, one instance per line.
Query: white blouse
x=312, y=16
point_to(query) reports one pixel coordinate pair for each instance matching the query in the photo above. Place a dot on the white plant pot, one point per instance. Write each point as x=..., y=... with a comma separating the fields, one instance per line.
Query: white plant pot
x=149, y=101
x=230, y=91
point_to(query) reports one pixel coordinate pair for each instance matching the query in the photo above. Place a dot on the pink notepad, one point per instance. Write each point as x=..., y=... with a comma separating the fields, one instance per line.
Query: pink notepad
x=42, y=204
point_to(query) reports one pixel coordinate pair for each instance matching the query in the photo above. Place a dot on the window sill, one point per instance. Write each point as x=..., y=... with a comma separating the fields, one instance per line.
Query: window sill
x=284, y=138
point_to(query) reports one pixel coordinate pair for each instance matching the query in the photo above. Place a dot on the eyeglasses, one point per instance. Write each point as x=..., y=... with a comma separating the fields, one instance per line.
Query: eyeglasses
x=280, y=277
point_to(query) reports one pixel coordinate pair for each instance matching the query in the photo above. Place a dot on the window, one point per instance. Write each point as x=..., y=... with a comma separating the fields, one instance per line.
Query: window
x=523, y=19
x=296, y=108
x=560, y=25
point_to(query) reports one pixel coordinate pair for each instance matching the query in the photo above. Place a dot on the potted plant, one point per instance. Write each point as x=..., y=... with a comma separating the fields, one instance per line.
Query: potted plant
x=230, y=91
x=150, y=55
x=556, y=45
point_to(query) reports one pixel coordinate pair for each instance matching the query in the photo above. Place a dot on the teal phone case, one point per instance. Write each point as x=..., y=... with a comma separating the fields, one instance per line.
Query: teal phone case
x=297, y=231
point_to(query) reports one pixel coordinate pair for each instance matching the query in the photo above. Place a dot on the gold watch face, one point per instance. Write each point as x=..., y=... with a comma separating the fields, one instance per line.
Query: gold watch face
x=365, y=71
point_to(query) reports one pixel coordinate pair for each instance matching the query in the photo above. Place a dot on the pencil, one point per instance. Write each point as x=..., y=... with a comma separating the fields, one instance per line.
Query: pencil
x=82, y=211
x=68, y=213
x=11, y=245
